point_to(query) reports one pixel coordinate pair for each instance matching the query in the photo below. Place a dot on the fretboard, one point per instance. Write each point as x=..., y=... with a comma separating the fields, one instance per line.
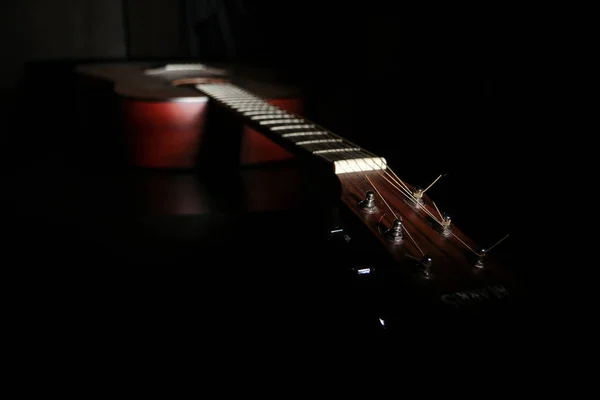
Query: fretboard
x=300, y=134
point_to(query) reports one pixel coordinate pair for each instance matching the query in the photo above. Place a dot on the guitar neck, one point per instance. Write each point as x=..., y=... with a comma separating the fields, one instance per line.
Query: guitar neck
x=295, y=133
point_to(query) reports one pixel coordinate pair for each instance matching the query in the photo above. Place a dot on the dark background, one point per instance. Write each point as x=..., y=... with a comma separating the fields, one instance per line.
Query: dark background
x=434, y=89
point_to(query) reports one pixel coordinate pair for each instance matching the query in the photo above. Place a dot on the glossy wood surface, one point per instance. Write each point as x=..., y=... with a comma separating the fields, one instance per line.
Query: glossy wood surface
x=163, y=134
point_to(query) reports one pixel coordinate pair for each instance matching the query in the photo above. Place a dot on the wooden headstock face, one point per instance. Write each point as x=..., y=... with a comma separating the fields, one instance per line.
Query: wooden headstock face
x=423, y=245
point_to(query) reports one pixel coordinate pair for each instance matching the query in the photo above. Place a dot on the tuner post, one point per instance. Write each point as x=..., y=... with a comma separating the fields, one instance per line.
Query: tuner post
x=446, y=222
x=425, y=264
x=480, y=263
x=368, y=204
x=394, y=234
x=418, y=195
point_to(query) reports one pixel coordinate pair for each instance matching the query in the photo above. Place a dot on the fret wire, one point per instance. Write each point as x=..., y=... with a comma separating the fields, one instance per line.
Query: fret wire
x=307, y=138
x=238, y=103
x=333, y=150
x=278, y=122
x=262, y=109
x=256, y=108
x=257, y=113
x=234, y=99
x=281, y=116
x=231, y=98
x=298, y=126
x=247, y=104
x=303, y=134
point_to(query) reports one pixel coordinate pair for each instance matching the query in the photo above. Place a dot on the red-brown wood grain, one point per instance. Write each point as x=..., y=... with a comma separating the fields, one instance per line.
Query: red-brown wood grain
x=453, y=262
x=168, y=134
x=163, y=134
x=162, y=118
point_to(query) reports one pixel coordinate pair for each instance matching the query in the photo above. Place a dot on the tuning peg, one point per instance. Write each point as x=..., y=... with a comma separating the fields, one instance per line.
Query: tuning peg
x=418, y=195
x=425, y=263
x=446, y=222
x=480, y=263
x=480, y=259
x=368, y=204
x=394, y=234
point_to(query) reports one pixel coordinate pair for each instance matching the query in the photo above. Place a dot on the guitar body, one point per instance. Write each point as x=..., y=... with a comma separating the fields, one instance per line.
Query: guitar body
x=267, y=209
x=152, y=121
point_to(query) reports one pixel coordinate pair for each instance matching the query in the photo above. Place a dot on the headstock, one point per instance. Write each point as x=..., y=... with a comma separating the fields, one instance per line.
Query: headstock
x=425, y=248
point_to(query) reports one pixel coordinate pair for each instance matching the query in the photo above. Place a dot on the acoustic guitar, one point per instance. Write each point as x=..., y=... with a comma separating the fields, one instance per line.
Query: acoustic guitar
x=406, y=263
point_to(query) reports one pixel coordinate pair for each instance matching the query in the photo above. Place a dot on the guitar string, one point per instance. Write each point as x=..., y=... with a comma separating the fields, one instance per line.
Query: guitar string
x=438, y=210
x=439, y=222
x=395, y=216
x=497, y=243
x=431, y=184
x=362, y=152
x=404, y=190
x=408, y=194
x=411, y=197
x=244, y=96
x=360, y=155
x=380, y=195
x=435, y=219
x=328, y=145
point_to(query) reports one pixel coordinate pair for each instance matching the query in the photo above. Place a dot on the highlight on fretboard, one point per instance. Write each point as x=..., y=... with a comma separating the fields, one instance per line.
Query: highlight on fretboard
x=273, y=121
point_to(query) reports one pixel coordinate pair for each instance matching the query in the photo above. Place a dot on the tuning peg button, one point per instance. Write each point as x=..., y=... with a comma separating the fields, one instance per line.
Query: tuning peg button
x=425, y=264
x=418, y=195
x=368, y=204
x=480, y=259
x=394, y=234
